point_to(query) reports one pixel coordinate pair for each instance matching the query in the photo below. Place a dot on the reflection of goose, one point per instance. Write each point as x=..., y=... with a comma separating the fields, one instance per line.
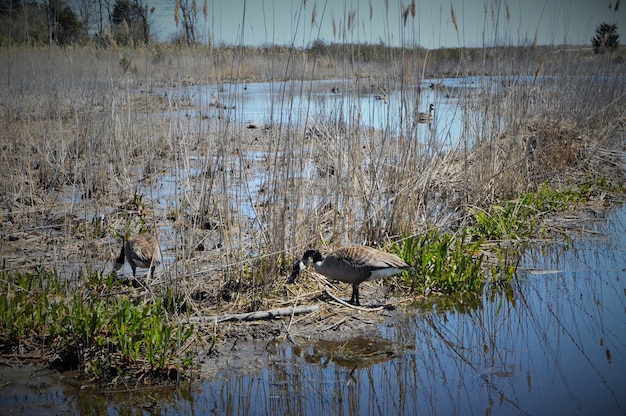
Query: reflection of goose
x=352, y=264
x=426, y=117
x=140, y=251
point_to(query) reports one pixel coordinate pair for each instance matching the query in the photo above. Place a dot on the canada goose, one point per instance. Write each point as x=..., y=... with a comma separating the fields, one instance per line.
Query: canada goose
x=140, y=251
x=352, y=264
x=426, y=117
x=381, y=97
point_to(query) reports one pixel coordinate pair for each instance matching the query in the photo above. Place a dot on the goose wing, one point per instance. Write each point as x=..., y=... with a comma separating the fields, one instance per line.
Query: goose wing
x=367, y=257
x=145, y=251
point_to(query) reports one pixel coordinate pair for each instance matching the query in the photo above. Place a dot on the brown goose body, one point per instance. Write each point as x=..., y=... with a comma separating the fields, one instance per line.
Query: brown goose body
x=140, y=251
x=353, y=265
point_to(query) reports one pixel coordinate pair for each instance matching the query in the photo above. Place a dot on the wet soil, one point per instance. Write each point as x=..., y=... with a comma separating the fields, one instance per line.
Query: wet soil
x=348, y=337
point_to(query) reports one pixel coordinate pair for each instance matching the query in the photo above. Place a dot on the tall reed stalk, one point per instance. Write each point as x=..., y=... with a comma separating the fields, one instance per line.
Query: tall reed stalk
x=85, y=130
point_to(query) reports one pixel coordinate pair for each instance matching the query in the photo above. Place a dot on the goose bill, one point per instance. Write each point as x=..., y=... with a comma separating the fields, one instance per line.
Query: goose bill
x=295, y=270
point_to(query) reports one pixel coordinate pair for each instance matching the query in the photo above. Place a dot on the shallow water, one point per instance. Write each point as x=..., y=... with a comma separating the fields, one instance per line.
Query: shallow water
x=291, y=103
x=355, y=101
x=552, y=343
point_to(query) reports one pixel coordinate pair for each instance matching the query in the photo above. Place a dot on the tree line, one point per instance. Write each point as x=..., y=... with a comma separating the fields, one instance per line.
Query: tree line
x=130, y=22
x=66, y=22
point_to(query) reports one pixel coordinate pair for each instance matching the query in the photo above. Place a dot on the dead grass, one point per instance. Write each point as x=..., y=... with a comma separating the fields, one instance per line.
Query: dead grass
x=85, y=130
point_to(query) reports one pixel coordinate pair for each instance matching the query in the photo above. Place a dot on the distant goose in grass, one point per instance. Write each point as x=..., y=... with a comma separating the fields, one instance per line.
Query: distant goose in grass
x=352, y=264
x=140, y=251
x=426, y=117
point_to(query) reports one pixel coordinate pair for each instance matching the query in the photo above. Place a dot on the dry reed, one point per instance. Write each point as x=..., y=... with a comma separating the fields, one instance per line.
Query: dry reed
x=85, y=130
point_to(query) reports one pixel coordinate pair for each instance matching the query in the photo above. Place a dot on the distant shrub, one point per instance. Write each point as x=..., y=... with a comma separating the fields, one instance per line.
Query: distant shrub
x=606, y=38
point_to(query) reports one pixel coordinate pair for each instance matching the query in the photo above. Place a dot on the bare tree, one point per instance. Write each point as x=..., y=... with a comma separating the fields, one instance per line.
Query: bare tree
x=48, y=7
x=134, y=17
x=87, y=11
x=189, y=11
x=103, y=9
x=62, y=24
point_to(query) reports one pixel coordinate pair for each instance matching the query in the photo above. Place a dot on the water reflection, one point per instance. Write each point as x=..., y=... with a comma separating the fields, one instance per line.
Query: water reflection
x=341, y=100
x=553, y=342
x=353, y=353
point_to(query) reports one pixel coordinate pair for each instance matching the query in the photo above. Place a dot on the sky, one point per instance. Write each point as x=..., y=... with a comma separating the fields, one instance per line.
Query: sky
x=478, y=22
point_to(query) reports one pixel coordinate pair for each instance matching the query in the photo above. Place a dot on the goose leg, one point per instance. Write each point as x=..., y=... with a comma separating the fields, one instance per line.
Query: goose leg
x=355, y=295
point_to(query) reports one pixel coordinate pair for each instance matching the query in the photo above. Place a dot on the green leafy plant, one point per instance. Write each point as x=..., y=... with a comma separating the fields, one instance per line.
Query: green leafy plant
x=104, y=336
x=519, y=218
x=443, y=262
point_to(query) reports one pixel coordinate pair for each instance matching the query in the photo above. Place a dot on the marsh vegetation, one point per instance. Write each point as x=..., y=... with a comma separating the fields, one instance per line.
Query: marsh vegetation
x=101, y=144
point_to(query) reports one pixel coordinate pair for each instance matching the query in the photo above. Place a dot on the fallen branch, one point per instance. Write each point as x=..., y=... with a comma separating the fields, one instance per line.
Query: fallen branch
x=349, y=305
x=254, y=316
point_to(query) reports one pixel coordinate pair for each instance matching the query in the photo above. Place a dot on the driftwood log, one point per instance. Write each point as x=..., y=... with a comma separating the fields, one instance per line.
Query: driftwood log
x=254, y=316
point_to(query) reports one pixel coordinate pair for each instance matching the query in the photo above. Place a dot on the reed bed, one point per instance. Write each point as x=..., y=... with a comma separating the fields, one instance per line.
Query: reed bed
x=85, y=131
x=97, y=144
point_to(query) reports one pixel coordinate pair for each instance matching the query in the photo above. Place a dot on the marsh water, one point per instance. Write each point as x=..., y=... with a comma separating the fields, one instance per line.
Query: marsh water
x=552, y=342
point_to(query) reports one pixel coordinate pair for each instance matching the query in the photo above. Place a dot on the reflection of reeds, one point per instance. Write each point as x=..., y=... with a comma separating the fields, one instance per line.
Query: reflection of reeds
x=492, y=352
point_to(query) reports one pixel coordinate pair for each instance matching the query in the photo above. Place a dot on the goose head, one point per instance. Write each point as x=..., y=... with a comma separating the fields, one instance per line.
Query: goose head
x=309, y=257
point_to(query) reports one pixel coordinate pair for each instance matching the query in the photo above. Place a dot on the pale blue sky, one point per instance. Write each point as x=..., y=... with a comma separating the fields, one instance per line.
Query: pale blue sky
x=479, y=22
